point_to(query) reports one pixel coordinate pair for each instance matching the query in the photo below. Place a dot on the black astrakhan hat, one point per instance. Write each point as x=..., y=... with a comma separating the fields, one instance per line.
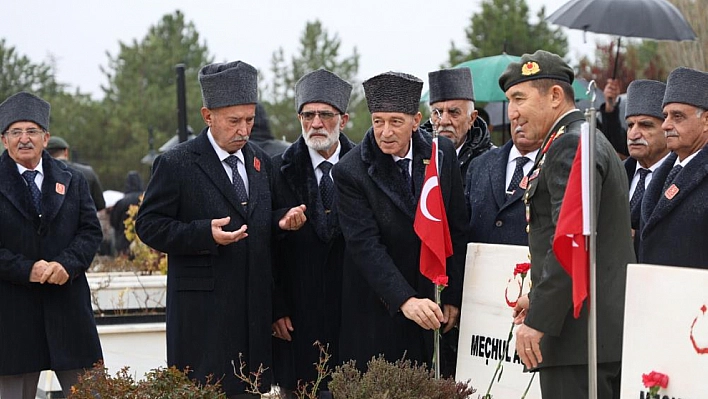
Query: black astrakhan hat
x=24, y=106
x=323, y=86
x=539, y=65
x=644, y=97
x=393, y=92
x=450, y=84
x=687, y=86
x=227, y=84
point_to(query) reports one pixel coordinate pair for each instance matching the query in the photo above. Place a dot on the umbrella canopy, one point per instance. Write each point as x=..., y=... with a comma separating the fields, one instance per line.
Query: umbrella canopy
x=651, y=19
x=485, y=78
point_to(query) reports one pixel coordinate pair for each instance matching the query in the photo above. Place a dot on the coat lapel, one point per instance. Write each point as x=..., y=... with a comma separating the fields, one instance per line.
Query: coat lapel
x=54, y=188
x=258, y=181
x=386, y=175
x=211, y=166
x=686, y=181
x=14, y=188
x=498, y=177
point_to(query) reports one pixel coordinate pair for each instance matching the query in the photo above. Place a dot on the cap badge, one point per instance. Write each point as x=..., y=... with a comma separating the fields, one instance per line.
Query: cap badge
x=530, y=68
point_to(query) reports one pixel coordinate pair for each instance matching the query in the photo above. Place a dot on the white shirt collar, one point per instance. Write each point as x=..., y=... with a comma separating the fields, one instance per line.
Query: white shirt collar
x=39, y=168
x=317, y=159
x=409, y=155
x=220, y=152
x=687, y=160
x=654, y=167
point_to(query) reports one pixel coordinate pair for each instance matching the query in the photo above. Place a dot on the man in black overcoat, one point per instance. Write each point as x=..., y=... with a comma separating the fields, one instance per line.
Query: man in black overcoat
x=208, y=206
x=49, y=236
x=549, y=338
x=674, y=216
x=646, y=142
x=387, y=304
x=308, y=262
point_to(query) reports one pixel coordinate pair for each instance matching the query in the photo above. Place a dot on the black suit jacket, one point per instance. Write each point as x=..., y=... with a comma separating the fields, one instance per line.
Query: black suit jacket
x=46, y=326
x=381, y=264
x=218, y=297
x=494, y=219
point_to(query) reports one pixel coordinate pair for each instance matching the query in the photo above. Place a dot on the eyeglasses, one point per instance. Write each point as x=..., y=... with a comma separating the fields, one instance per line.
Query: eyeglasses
x=309, y=116
x=437, y=113
x=32, y=132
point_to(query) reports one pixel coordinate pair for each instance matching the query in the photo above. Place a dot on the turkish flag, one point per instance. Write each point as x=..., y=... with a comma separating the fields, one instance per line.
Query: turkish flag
x=431, y=223
x=569, y=243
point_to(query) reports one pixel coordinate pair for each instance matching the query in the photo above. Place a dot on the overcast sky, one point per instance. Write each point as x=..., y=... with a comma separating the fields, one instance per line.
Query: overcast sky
x=410, y=36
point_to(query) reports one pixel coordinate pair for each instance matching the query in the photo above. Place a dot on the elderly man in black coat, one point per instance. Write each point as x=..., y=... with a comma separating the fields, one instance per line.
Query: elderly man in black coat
x=208, y=206
x=646, y=142
x=49, y=237
x=388, y=306
x=674, y=215
x=453, y=115
x=308, y=262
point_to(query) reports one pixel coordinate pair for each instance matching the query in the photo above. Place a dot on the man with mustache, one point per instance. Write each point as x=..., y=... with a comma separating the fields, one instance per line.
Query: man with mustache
x=208, y=206
x=453, y=115
x=308, y=262
x=645, y=140
x=388, y=305
x=674, y=214
x=49, y=237
x=549, y=337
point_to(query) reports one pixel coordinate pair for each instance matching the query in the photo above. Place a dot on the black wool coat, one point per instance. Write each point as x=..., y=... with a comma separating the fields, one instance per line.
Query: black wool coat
x=494, y=219
x=307, y=266
x=46, y=326
x=381, y=264
x=673, y=231
x=218, y=297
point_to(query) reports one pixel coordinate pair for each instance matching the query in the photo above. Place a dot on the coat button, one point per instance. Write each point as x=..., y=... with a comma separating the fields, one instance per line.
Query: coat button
x=498, y=223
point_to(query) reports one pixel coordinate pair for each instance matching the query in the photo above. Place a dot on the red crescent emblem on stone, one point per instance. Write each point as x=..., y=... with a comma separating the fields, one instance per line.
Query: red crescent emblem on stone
x=671, y=191
x=699, y=349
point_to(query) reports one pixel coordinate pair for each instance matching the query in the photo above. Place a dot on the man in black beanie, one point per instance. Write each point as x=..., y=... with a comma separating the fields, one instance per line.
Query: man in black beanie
x=549, y=337
x=674, y=216
x=208, y=206
x=388, y=306
x=452, y=114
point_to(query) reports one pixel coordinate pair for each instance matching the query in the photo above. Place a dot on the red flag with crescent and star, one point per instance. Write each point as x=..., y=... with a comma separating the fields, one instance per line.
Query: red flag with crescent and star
x=431, y=223
x=569, y=243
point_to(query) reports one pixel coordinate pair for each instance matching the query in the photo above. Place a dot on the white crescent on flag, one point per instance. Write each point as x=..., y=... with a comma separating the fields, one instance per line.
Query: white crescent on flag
x=428, y=186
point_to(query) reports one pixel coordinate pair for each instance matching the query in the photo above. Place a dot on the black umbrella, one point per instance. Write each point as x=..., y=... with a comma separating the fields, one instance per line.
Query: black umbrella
x=650, y=19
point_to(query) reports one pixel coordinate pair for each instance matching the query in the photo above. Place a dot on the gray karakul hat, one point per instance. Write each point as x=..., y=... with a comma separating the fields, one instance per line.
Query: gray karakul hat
x=450, y=84
x=644, y=97
x=393, y=92
x=24, y=106
x=323, y=86
x=687, y=86
x=539, y=65
x=227, y=84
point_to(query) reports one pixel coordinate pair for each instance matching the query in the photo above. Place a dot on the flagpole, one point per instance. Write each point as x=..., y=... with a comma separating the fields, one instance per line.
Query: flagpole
x=590, y=115
x=436, y=334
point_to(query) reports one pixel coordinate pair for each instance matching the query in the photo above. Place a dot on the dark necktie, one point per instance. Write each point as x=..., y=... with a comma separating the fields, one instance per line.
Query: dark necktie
x=36, y=195
x=670, y=178
x=326, y=185
x=636, y=201
x=241, y=194
x=517, y=176
x=403, y=164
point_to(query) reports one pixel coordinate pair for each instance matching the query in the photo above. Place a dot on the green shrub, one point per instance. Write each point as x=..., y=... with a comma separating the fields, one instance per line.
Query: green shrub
x=160, y=383
x=399, y=380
